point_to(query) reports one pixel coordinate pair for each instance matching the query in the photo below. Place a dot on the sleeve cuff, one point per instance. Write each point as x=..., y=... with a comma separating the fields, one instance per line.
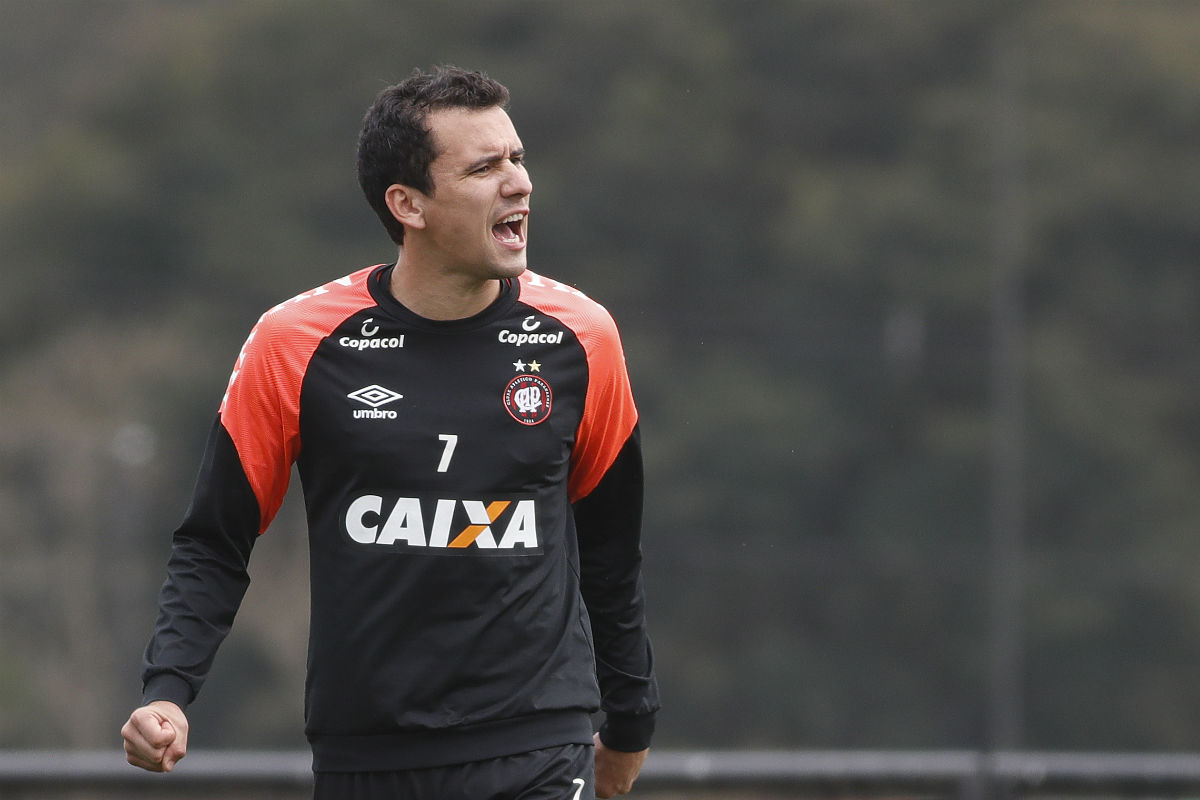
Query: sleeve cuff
x=627, y=733
x=165, y=686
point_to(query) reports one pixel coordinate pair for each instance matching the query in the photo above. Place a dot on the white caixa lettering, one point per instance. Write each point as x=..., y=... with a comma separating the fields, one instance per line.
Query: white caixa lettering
x=404, y=523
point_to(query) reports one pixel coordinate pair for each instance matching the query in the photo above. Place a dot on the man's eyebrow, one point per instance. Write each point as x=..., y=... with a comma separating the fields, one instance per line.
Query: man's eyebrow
x=492, y=158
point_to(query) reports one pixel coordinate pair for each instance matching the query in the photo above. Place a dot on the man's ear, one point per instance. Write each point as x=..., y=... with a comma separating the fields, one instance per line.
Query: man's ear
x=406, y=204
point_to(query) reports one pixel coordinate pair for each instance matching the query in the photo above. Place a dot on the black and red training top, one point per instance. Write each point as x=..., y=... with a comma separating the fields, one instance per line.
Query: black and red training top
x=473, y=491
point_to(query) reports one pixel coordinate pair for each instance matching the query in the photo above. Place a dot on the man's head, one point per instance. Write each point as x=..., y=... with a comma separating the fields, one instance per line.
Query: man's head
x=396, y=144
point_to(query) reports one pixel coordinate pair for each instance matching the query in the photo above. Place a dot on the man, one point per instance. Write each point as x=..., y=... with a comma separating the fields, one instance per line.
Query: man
x=469, y=450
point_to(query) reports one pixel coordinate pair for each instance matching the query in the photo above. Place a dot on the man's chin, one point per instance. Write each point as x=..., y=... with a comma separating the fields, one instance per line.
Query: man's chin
x=511, y=270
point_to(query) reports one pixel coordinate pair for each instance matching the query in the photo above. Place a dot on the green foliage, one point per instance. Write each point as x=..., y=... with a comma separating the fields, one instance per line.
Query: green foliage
x=790, y=208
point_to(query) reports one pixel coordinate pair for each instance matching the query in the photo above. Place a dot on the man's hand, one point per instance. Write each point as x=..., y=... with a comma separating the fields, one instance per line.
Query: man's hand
x=156, y=736
x=616, y=771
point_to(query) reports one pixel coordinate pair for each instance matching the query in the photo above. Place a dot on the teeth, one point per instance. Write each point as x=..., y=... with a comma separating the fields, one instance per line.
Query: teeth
x=511, y=218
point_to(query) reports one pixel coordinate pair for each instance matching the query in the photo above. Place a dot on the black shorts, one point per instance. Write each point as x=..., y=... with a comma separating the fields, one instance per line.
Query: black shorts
x=556, y=773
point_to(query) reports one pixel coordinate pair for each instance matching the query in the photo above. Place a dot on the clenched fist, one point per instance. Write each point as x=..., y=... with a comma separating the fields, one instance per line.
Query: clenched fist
x=156, y=736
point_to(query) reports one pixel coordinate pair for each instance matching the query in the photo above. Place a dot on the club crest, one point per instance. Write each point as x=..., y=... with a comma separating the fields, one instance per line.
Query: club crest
x=528, y=399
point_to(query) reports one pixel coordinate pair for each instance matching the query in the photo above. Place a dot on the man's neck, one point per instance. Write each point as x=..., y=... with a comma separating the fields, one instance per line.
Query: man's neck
x=439, y=296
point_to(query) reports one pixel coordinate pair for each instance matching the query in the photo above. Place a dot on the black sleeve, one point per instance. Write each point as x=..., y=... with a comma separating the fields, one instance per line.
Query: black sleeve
x=206, y=576
x=609, y=521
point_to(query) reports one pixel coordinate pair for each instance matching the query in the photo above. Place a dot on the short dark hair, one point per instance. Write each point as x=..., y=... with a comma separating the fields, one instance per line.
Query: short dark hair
x=396, y=146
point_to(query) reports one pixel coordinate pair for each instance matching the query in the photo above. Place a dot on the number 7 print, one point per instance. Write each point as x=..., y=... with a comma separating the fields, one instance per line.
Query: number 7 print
x=451, y=440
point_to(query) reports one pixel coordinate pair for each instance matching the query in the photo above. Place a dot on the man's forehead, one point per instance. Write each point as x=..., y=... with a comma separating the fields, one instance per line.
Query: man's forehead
x=462, y=133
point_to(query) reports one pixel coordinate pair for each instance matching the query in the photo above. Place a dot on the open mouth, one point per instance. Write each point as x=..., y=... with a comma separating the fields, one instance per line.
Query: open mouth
x=509, y=230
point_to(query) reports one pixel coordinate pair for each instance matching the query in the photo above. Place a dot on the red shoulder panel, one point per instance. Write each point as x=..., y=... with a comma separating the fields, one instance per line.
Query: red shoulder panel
x=609, y=413
x=261, y=407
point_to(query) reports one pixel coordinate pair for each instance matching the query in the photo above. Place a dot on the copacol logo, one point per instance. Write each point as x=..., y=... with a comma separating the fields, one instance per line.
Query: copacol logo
x=374, y=396
x=368, y=340
x=530, y=334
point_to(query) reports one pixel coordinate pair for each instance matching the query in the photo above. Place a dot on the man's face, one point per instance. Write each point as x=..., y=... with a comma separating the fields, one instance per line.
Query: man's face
x=477, y=220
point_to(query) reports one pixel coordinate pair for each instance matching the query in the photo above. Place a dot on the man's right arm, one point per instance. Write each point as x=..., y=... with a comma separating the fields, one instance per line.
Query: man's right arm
x=206, y=580
x=206, y=576
x=242, y=482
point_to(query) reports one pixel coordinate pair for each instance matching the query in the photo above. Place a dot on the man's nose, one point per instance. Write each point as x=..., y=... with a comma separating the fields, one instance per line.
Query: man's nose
x=517, y=182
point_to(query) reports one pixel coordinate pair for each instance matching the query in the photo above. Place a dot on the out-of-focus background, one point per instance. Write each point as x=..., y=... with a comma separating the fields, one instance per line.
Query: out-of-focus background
x=909, y=293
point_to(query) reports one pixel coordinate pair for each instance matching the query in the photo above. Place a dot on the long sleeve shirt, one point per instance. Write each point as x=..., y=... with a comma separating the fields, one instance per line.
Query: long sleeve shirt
x=473, y=490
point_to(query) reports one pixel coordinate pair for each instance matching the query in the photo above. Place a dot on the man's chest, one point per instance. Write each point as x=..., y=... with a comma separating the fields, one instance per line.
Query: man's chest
x=495, y=406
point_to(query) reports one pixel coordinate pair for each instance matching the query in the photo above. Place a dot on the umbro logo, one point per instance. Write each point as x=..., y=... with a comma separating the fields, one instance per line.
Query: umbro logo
x=374, y=396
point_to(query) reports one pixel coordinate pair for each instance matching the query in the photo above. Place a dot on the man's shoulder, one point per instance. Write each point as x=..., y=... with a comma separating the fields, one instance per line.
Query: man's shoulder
x=566, y=303
x=328, y=303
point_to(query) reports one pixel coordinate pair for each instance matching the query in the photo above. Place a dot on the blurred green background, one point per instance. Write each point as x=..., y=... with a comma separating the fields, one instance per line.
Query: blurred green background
x=909, y=295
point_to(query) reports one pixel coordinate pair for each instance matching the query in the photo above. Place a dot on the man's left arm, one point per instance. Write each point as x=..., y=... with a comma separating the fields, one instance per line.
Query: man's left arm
x=616, y=771
x=608, y=521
